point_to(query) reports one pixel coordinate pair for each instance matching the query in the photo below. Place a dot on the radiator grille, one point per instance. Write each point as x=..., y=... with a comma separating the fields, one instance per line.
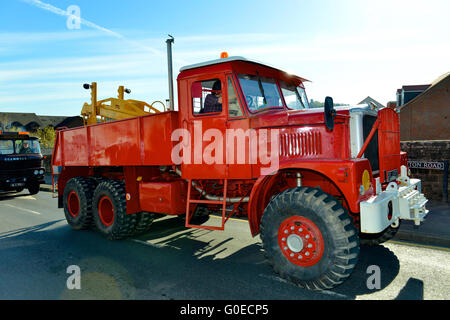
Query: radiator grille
x=300, y=144
x=21, y=164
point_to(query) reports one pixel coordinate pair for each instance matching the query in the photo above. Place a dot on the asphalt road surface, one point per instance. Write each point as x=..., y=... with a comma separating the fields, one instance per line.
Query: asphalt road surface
x=172, y=262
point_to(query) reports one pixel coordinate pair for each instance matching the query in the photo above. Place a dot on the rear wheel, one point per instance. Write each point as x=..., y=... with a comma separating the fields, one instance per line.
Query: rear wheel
x=144, y=221
x=309, y=238
x=109, y=212
x=77, y=199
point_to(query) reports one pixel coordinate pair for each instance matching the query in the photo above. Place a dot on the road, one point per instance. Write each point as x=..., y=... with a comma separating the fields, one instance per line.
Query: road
x=172, y=262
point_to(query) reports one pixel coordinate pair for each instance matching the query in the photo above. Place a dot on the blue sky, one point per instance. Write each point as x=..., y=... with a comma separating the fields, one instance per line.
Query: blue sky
x=349, y=49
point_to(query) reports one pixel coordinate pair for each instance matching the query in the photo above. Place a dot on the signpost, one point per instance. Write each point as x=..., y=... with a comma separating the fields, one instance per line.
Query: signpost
x=433, y=165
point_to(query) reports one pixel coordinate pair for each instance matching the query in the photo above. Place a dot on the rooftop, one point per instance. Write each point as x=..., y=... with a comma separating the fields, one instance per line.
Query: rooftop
x=234, y=58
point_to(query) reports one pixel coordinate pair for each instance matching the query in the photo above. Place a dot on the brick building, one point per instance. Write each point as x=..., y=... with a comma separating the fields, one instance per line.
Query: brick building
x=425, y=134
x=426, y=116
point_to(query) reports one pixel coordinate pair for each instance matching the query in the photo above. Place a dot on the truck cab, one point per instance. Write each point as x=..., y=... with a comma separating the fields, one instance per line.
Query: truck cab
x=20, y=162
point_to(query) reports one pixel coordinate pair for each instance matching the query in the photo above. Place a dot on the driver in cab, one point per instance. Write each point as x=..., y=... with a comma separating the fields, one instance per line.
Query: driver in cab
x=25, y=148
x=213, y=101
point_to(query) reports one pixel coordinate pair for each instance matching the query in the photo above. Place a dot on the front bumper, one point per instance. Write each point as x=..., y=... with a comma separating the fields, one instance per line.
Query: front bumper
x=397, y=202
x=20, y=178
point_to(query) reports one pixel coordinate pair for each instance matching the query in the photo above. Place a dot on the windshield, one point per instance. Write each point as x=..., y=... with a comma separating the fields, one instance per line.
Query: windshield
x=260, y=92
x=27, y=146
x=295, y=97
x=6, y=147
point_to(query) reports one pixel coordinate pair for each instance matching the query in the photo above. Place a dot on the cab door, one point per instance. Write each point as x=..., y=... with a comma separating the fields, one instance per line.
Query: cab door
x=239, y=135
x=206, y=124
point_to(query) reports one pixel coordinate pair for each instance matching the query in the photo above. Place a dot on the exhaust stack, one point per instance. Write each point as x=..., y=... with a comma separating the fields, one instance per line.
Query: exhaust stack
x=169, y=63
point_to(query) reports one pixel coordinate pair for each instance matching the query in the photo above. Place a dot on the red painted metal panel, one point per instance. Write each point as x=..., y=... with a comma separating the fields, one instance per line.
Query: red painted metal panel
x=163, y=196
x=156, y=132
x=115, y=143
x=389, y=142
x=74, y=147
x=131, y=142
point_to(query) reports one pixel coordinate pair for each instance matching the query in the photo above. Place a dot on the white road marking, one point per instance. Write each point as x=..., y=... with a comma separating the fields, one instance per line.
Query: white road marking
x=28, y=198
x=19, y=208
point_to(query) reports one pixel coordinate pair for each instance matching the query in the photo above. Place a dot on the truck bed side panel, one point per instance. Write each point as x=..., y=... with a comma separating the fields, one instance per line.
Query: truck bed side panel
x=142, y=141
x=156, y=136
x=75, y=147
x=115, y=143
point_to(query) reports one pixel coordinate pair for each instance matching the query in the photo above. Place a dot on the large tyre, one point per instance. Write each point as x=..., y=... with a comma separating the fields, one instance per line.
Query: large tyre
x=369, y=239
x=309, y=238
x=110, y=213
x=77, y=199
x=144, y=221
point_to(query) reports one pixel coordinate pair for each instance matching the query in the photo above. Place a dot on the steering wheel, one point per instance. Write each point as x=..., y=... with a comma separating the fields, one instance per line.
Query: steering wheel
x=250, y=103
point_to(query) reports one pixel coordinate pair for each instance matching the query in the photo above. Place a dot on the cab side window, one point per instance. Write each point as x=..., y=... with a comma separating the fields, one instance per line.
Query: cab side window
x=234, y=109
x=207, y=97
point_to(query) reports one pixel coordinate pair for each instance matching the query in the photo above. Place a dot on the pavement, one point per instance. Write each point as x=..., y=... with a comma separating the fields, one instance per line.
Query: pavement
x=434, y=230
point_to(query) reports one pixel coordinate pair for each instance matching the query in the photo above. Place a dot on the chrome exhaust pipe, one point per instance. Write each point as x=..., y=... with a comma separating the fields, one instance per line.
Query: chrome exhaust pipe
x=169, y=63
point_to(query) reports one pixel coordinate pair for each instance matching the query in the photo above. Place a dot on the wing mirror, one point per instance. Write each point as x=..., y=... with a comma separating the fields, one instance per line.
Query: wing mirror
x=330, y=113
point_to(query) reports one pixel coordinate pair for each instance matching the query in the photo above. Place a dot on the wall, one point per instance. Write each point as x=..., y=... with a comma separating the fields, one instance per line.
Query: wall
x=431, y=151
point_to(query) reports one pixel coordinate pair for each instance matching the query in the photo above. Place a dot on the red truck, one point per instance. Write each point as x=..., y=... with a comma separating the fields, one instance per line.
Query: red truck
x=314, y=183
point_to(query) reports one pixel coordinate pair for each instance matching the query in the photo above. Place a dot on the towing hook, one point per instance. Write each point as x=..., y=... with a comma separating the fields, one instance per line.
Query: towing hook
x=395, y=224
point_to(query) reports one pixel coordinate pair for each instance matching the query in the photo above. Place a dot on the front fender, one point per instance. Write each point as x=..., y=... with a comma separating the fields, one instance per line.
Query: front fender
x=346, y=175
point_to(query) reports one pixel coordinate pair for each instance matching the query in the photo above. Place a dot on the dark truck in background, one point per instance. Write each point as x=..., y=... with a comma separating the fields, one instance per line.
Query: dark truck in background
x=20, y=162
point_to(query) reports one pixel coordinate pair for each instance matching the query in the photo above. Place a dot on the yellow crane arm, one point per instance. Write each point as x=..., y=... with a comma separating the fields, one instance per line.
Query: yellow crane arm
x=114, y=108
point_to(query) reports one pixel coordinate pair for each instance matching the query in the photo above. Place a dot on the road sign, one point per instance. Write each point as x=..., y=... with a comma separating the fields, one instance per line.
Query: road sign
x=413, y=164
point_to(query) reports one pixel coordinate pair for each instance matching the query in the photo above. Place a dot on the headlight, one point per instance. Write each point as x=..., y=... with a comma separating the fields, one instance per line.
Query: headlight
x=36, y=172
x=41, y=171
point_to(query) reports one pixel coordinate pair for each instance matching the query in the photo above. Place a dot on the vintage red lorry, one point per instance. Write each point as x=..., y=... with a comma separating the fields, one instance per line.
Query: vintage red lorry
x=327, y=179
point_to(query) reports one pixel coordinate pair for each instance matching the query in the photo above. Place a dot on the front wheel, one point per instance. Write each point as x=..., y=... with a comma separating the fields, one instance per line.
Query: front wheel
x=309, y=238
x=33, y=188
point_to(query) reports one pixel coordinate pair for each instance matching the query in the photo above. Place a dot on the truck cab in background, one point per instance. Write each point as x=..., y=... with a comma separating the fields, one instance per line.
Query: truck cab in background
x=20, y=162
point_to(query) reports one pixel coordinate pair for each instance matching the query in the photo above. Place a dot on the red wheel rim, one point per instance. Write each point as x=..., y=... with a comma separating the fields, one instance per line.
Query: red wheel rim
x=106, y=211
x=73, y=204
x=300, y=241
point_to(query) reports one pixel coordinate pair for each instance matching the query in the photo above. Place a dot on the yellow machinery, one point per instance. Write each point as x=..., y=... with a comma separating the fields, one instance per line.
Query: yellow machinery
x=114, y=108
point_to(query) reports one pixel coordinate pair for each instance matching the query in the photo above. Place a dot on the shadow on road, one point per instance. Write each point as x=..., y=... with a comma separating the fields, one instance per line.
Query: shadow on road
x=413, y=290
x=21, y=231
x=12, y=195
x=178, y=265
